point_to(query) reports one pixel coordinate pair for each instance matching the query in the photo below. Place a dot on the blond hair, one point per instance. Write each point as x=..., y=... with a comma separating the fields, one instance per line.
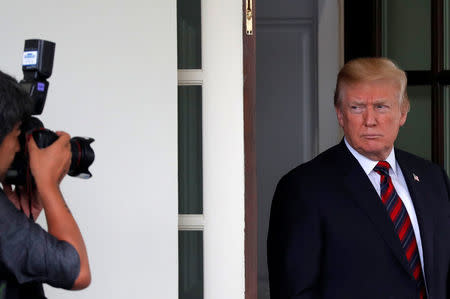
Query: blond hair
x=367, y=70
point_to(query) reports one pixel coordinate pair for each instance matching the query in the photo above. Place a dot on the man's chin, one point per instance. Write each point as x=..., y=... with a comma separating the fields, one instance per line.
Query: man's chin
x=376, y=153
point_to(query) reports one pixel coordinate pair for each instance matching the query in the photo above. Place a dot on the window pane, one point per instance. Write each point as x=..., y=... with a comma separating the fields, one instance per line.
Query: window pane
x=407, y=33
x=446, y=34
x=415, y=135
x=190, y=264
x=447, y=129
x=190, y=172
x=189, y=34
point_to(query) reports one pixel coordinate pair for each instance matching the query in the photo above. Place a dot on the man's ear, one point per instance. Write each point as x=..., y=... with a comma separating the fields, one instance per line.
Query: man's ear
x=403, y=117
x=340, y=115
x=404, y=109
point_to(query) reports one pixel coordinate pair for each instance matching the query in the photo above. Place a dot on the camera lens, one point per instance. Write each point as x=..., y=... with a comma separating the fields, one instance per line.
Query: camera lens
x=82, y=153
x=82, y=157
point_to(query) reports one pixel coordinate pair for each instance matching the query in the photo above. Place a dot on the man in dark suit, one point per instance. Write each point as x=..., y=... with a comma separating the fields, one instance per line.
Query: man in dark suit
x=362, y=219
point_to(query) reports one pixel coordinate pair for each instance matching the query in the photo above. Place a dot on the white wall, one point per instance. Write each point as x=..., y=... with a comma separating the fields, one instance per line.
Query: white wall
x=329, y=57
x=114, y=79
x=223, y=150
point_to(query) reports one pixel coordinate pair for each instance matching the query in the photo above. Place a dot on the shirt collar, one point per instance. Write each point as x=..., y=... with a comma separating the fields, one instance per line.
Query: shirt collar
x=368, y=164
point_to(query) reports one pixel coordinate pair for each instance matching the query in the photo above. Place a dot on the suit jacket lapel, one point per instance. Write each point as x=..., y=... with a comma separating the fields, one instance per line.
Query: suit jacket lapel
x=424, y=212
x=361, y=190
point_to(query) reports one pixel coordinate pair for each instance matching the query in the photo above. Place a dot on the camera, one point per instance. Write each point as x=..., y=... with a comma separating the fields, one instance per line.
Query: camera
x=37, y=68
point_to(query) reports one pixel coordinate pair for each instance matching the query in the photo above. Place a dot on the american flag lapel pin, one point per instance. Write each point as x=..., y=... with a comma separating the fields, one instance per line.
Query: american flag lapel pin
x=416, y=178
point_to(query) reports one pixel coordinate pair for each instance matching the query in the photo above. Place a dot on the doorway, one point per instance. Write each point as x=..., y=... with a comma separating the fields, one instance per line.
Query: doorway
x=286, y=103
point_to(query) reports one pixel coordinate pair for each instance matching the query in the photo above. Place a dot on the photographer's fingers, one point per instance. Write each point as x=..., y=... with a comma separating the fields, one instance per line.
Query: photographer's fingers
x=64, y=140
x=63, y=137
x=32, y=146
x=49, y=165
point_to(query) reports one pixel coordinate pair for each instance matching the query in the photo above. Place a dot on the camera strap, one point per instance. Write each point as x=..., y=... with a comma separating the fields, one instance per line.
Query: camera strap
x=29, y=181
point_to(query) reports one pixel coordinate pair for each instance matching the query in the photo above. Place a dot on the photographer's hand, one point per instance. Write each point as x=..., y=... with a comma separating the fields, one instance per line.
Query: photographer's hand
x=20, y=198
x=49, y=166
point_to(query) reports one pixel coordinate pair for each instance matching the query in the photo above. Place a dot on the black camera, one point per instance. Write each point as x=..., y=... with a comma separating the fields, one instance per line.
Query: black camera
x=37, y=67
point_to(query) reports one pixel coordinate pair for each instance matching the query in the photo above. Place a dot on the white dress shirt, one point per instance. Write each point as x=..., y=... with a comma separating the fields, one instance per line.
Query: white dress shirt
x=398, y=180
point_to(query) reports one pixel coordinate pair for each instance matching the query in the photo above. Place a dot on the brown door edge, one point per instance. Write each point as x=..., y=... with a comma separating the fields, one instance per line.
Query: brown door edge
x=251, y=220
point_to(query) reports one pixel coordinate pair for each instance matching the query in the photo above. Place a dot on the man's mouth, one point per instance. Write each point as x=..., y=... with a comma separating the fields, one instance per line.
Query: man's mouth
x=371, y=136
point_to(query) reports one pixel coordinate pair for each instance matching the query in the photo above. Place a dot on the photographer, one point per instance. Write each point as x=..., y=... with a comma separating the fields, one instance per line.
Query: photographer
x=30, y=256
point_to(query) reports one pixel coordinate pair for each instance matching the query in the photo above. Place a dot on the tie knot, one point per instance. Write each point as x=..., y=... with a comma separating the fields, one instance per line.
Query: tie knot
x=382, y=168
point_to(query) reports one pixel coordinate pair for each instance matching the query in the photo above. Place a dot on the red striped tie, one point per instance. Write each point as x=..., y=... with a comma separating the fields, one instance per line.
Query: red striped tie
x=402, y=223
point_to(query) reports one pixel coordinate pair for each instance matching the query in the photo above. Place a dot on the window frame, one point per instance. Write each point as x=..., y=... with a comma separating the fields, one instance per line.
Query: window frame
x=364, y=19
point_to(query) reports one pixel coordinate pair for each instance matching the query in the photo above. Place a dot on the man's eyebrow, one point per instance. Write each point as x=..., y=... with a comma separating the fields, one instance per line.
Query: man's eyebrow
x=356, y=102
x=380, y=101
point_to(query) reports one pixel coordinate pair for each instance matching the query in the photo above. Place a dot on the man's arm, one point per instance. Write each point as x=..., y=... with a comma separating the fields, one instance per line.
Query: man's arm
x=293, y=243
x=447, y=183
x=49, y=166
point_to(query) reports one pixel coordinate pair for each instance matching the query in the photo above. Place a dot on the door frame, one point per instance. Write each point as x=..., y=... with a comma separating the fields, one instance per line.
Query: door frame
x=251, y=207
x=330, y=59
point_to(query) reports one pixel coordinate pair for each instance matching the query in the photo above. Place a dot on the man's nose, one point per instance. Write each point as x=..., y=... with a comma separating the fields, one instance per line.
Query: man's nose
x=370, y=119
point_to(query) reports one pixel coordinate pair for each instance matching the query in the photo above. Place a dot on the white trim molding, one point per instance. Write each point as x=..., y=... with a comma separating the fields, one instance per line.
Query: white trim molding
x=194, y=222
x=190, y=77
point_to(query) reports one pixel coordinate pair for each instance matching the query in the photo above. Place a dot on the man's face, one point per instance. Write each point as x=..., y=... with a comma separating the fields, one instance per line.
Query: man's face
x=8, y=149
x=371, y=116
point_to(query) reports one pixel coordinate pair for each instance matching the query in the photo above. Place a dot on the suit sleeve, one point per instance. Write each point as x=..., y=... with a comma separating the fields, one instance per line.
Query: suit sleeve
x=294, y=243
x=30, y=254
x=447, y=183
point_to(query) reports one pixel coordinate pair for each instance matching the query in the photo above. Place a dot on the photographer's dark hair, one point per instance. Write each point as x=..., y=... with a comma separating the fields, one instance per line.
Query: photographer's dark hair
x=14, y=104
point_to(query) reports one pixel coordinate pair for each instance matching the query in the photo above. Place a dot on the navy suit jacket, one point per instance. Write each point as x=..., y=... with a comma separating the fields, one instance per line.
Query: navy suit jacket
x=330, y=236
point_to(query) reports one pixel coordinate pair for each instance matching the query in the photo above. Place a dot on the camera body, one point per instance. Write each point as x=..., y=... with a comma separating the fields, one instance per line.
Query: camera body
x=37, y=67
